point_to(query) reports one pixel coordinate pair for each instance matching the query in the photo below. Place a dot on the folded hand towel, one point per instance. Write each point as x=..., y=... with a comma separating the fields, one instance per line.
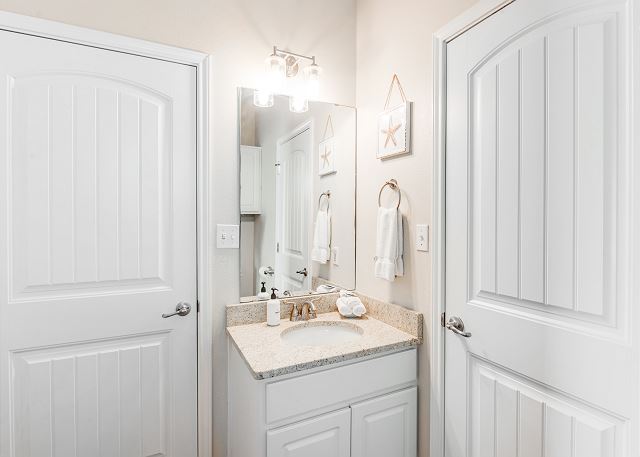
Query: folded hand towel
x=321, y=251
x=389, y=244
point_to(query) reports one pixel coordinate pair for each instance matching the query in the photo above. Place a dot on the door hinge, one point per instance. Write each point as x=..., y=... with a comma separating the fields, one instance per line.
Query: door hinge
x=197, y=306
x=443, y=319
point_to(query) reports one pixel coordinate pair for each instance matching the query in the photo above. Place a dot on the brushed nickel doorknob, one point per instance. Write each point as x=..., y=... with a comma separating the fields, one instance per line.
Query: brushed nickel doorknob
x=182, y=309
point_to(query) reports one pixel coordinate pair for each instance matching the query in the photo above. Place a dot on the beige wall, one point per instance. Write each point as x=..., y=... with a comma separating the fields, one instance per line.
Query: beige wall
x=239, y=33
x=396, y=37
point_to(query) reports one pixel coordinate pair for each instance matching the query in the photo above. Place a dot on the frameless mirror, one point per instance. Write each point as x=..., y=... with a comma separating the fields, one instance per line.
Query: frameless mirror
x=297, y=197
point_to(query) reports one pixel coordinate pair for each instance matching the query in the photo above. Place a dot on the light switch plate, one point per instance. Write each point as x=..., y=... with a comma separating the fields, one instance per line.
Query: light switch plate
x=422, y=237
x=228, y=236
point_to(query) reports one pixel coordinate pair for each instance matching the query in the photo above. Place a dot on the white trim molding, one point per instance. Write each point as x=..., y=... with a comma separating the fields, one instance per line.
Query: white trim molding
x=201, y=61
x=476, y=14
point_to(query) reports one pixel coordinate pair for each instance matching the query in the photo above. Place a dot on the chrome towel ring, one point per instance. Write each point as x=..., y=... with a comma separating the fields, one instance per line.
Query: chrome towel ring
x=393, y=184
x=324, y=194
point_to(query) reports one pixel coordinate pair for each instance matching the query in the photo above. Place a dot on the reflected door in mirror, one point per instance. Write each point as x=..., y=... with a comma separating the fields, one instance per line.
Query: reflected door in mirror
x=292, y=220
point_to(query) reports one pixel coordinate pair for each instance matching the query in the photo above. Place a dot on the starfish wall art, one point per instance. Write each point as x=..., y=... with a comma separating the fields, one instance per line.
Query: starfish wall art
x=394, y=131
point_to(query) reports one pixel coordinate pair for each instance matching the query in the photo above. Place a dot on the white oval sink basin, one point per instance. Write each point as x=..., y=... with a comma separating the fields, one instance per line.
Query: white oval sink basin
x=321, y=333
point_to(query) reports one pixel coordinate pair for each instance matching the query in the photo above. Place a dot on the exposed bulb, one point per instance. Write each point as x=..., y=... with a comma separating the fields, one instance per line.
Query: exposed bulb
x=298, y=104
x=312, y=79
x=275, y=72
x=263, y=98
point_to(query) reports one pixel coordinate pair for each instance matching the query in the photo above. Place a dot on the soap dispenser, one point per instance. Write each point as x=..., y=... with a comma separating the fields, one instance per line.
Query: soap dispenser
x=273, y=309
x=263, y=295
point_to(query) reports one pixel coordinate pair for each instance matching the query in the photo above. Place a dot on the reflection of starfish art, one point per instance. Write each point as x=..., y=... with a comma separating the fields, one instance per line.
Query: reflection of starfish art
x=325, y=157
x=391, y=133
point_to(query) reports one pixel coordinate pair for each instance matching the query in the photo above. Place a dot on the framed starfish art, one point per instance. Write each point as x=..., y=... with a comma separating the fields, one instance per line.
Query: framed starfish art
x=326, y=157
x=394, y=131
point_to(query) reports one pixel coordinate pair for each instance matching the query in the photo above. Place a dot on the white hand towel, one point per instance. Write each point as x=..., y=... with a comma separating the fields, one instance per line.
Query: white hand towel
x=389, y=244
x=321, y=251
x=325, y=288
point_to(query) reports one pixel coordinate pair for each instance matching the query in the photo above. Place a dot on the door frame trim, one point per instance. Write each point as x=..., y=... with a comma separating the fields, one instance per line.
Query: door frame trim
x=467, y=20
x=202, y=62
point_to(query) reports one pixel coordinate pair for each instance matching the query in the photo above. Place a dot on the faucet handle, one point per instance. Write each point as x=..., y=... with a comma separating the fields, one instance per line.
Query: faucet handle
x=313, y=310
x=295, y=312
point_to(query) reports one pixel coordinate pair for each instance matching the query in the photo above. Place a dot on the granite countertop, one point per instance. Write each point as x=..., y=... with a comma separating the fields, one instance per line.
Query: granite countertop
x=267, y=355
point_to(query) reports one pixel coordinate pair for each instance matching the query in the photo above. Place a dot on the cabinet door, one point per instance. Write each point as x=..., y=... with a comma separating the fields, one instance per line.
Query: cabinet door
x=250, y=180
x=323, y=436
x=385, y=426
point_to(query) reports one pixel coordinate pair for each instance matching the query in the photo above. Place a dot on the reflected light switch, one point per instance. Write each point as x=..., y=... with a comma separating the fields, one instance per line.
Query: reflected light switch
x=228, y=236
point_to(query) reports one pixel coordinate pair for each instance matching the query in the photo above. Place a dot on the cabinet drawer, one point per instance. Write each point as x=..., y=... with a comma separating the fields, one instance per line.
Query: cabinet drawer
x=322, y=436
x=304, y=394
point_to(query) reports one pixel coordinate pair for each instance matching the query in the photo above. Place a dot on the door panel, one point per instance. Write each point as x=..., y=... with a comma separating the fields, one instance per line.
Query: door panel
x=516, y=416
x=89, y=198
x=386, y=426
x=97, y=150
x=91, y=396
x=538, y=234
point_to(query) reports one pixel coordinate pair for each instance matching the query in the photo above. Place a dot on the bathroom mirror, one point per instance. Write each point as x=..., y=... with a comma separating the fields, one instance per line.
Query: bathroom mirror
x=297, y=197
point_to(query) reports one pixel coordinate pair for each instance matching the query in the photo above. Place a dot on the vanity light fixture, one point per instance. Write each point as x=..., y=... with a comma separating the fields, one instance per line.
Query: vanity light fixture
x=282, y=69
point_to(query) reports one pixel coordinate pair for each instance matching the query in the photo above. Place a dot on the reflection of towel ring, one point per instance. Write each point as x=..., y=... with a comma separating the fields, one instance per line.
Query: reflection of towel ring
x=392, y=183
x=324, y=194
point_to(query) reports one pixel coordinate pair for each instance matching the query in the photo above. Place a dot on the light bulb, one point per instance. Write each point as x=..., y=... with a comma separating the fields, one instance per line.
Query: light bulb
x=262, y=98
x=312, y=79
x=298, y=104
x=276, y=73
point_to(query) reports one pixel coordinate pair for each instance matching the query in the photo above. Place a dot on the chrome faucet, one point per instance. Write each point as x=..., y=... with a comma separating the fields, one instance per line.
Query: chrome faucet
x=307, y=310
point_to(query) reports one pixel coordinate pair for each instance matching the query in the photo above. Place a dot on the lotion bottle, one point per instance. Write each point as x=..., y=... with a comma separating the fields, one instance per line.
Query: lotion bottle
x=273, y=309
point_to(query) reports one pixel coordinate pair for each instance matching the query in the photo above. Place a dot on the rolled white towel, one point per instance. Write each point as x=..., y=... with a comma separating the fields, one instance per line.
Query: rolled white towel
x=344, y=309
x=350, y=306
x=359, y=310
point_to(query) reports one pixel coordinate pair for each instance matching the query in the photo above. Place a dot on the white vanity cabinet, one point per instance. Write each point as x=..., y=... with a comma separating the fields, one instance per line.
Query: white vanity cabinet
x=361, y=408
x=250, y=180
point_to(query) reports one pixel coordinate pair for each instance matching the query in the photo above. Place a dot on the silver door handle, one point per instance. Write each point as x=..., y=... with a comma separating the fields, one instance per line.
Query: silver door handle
x=303, y=272
x=456, y=325
x=182, y=309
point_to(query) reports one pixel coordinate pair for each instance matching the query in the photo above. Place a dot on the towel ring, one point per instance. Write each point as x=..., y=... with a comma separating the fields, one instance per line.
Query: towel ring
x=324, y=194
x=393, y=184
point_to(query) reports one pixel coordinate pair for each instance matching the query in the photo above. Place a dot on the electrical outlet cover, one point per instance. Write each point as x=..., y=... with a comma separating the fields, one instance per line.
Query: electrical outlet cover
x=335, y=256
x=422, y=238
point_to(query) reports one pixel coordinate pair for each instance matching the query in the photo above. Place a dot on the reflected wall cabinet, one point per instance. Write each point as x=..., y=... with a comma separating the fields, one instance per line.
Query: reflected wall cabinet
x=250, y=180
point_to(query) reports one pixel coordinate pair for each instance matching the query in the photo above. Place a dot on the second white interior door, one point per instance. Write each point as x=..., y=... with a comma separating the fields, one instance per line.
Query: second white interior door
x=541, y=246
x=98, y=228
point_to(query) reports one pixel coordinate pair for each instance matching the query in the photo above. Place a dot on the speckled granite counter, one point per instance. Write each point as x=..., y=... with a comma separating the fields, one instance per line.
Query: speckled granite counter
x=267, y=355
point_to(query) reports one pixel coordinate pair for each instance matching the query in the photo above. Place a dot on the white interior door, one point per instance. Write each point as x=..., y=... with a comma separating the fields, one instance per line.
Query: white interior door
x=541, y=241
x=293, y=181
x=98, y=212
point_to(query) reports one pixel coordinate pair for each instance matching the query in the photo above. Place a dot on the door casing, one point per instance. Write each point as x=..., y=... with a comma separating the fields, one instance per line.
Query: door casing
x=62, y=32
